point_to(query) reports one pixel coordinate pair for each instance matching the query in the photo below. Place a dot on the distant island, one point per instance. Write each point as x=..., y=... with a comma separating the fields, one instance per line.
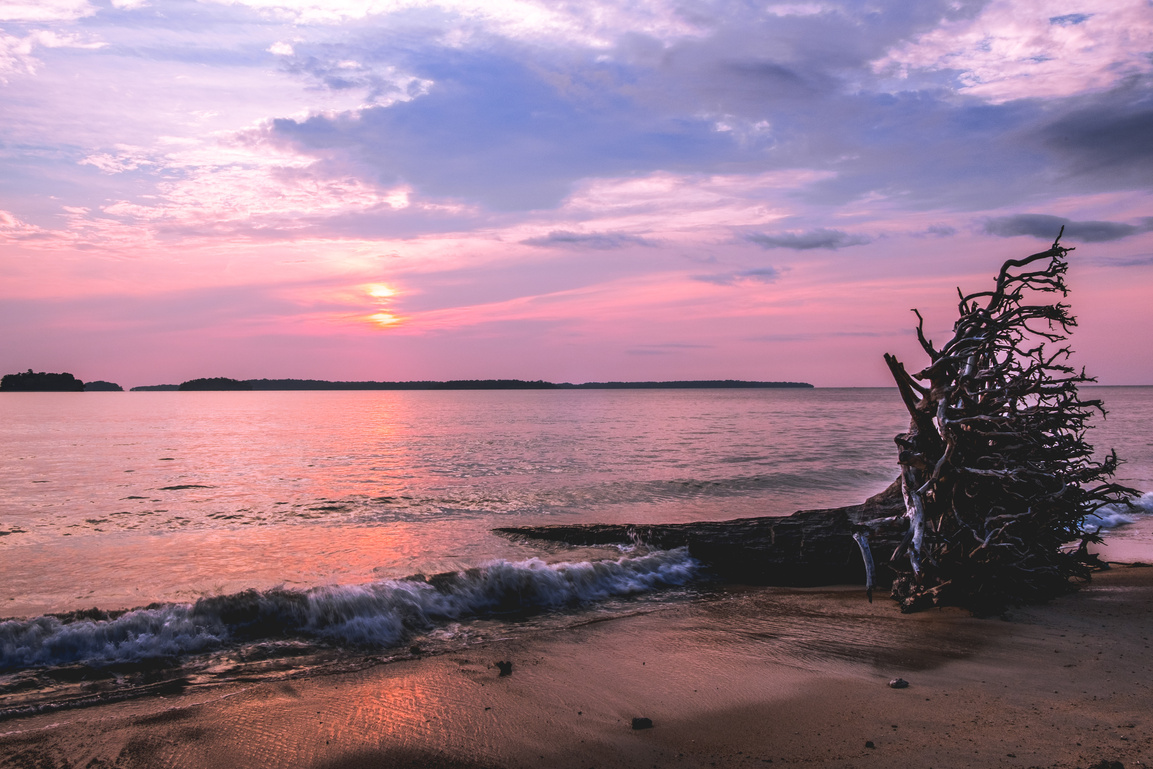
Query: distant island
x=33, y=382
x=224, y=383
x=215, y=383
x=42, y=382
x=100, y=386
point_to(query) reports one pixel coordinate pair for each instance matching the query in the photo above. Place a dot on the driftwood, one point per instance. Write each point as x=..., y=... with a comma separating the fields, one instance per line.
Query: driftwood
x=996, y=477
x=996, y=472
x=807, y=548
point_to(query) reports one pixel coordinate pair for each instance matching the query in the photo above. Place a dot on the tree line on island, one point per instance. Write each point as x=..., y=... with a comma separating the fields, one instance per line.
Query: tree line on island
x=43, y=382
x=223, y=383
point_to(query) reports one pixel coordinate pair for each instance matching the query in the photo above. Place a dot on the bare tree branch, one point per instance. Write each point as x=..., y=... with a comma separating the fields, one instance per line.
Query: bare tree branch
x=996, y=473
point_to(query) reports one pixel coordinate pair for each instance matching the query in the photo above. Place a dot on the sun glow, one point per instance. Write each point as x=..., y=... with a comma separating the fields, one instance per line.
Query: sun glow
x=380, y=291
x=384, y=319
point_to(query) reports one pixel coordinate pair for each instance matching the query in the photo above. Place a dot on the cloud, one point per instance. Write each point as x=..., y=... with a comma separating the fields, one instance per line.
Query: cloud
x=937, y=231
x=601, y=241
x=503, y=132
x=1046, y=227
x=1070, y=19
x=736, y=278
x=1105, y=140
x=1021, y=49
x=476, y=107
x=13, y=229
x=812, y=336
x=591, y=23
x=383, y=85
x=669, y=348
x=470, y=114
x=1139, y=260
x=16, y=53
x=805, y=241
x=45, y=10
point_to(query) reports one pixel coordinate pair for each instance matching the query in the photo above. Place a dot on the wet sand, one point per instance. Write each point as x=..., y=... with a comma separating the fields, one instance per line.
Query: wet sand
x=749, y=678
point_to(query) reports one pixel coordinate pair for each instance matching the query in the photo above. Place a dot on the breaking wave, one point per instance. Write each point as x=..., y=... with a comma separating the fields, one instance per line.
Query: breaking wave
x=378, y=614
x=1112, y=516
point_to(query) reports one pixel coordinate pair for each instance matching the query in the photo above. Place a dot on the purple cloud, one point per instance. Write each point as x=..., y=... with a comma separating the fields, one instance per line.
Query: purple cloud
x=1046, y=227
x=600, y=241
x=805, y=241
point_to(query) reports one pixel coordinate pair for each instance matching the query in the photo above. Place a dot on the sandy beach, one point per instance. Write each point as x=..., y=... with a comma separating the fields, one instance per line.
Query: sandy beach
x=746, y=678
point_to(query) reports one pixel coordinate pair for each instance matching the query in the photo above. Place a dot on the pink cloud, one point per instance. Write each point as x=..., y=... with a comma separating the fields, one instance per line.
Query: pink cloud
x=1035, y=49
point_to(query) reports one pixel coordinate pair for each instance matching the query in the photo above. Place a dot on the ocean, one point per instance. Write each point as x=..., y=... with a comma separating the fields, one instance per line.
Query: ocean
x=210, y=535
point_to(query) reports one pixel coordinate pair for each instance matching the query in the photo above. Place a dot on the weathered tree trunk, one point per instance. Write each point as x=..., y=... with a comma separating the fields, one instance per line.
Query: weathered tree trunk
x=807, y=548
x=996, y=472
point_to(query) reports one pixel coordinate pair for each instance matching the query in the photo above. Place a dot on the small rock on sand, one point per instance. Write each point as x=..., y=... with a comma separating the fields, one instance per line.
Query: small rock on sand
x=505, y=668
x=642, y=723
x=898, y=683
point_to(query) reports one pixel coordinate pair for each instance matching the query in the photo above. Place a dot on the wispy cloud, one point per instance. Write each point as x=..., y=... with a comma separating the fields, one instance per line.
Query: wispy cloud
x=1138, y=260
x=1046, y=227
x=599, y=241
x=668, y=348
x=808, y=240
x=1029, y=49
x=737, y=277
x=45, y=10
x=937, y=231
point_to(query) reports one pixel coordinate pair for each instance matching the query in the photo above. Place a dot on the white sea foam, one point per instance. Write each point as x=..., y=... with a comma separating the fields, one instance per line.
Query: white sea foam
x=1112, y=516
x=378, y=614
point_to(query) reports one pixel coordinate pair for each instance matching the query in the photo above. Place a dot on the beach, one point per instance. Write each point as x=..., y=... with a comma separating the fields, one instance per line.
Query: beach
x=743, y=678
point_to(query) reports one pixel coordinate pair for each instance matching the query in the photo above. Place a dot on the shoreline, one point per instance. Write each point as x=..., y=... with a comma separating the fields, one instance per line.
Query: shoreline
x=748, y=677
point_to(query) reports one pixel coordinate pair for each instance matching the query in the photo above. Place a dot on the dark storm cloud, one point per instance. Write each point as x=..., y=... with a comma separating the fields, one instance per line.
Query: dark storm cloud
x=1046, y=227
x=805, y=241
x=601, y=241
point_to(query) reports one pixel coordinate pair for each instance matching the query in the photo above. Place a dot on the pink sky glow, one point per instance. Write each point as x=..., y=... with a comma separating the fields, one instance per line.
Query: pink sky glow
x=610, y=191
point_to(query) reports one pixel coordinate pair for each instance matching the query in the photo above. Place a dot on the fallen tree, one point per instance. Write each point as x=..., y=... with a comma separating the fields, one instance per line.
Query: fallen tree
x=996, y=473
x=996, y=480
x=807, y=548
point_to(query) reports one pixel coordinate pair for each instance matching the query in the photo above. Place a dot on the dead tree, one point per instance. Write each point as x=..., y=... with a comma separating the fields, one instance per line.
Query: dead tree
x=996, y=474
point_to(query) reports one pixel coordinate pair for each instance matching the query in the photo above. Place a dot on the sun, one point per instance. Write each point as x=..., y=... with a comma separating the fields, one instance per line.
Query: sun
x=380, y=291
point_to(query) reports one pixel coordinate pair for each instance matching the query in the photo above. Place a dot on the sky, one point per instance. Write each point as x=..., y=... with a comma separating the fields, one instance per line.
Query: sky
x=570, y=191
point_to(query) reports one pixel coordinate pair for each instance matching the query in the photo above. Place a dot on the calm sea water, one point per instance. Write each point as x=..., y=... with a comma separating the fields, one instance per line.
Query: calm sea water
x=121, y=500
